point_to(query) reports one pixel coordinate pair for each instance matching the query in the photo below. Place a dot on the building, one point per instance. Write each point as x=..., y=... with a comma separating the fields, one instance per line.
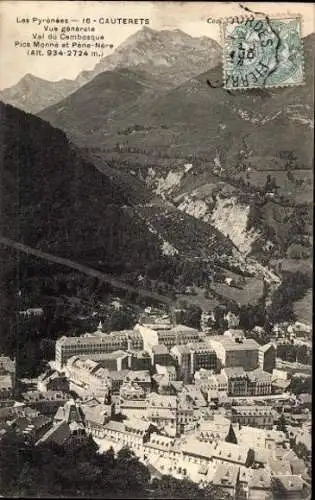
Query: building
x=162, y=412
x=6, y=388
x=133, y=408
x=45, y=402
x=207, y=321
x=7, y=379
x=163, y=448
x=233, y=320
x=88, y=375
x=196, y=451
x=259, y=383
x=301, y=435
x=289, y=486
x=52, y=381
x=131, y=391
x=68, y=428
x=96, y=416
x=232, y=453
x=7, y=365
x=267, y=357
x=262, y=440
x=115, y=361
x=161, y=384
x=160, y=355
x=185, y=415
x=259, y=484
x=216, y=428
x=140, y=377
x=194, y=395
x=169, y=371
x=167, y=334
x=202, y=356
x=118, y=378
x=193, y=356
x=96, y=344
x=237, y=381
x=182, y=357
x=256, y=416
x=280, y=381
x=226, y=478
x=140, y=360
x=208, y=381
x=134, y=340
x=217, y=453
x=31, y=428
x=132, y=433
x=233, y=352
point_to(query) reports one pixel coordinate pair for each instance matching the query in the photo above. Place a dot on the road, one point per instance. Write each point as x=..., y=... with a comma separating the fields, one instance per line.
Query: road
x=103, y=277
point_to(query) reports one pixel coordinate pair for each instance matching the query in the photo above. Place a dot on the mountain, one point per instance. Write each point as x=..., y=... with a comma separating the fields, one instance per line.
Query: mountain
x=167, y=57
x=32, y=94
x=170, y=56
x=197, y=137
x=86, y=111
x=192, y=119
x=56, y=201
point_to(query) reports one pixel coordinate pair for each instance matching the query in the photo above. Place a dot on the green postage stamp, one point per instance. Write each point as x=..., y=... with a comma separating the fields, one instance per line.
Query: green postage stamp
x=262, y=52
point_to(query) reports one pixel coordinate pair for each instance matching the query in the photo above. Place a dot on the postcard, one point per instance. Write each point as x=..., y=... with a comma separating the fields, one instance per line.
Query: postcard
x=156, y=244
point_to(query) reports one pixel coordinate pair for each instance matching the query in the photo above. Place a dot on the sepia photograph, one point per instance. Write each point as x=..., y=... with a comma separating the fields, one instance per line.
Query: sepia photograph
x=156, y=249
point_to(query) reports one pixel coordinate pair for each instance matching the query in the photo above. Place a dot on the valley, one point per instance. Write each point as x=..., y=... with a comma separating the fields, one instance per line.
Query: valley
x=193, y=186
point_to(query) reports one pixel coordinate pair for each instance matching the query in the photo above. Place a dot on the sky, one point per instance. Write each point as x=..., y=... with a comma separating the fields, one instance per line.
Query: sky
x=191, y=17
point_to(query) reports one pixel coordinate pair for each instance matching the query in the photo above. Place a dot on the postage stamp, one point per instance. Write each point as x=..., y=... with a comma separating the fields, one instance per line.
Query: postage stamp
x=262, y=52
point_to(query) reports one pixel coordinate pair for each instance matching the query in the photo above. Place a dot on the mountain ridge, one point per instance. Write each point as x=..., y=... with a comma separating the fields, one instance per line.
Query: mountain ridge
x=174, y=57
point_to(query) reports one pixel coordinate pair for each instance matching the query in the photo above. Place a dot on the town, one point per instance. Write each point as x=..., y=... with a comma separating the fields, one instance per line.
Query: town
x=215, y=408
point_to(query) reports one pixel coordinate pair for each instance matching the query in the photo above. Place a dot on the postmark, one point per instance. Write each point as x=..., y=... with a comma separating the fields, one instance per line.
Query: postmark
x=262, y=52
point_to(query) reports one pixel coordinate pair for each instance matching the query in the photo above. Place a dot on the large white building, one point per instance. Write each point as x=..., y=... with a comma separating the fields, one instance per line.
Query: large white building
x=96, y=344
x=154, y=334
x=88, y=375
x=234, y=352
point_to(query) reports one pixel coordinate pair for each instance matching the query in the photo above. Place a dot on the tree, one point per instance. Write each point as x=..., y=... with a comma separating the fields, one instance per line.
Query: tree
x=192, y=316
x=282, y=425
x=212, y=492
x=170, y=487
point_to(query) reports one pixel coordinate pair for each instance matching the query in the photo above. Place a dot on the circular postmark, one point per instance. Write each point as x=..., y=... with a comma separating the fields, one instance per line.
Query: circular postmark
x=261, y=53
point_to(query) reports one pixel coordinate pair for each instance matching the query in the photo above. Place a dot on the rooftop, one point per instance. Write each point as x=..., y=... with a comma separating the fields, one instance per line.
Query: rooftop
x=7, y=364
x=231, y=345
x=192, y=446
x=235, y=371
x=259, y=375
x=57, y=434
x=160, y=349
x=200, y=346
x=226, y=475
x=181, y=349
x=265, y=347
x=259, y=478
x=138, y=376
x=162, y=401
x=184, y=329
x=119, y=375
x=252, y=410
x=290, y=483
x=91, y=339
x=6, y=382
x=231, y=452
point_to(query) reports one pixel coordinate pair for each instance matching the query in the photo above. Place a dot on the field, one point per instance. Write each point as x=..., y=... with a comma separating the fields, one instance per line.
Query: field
x=293, y=265
x=300, y=194
x=303, y=308
x=249, y=293
x=198, y=300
